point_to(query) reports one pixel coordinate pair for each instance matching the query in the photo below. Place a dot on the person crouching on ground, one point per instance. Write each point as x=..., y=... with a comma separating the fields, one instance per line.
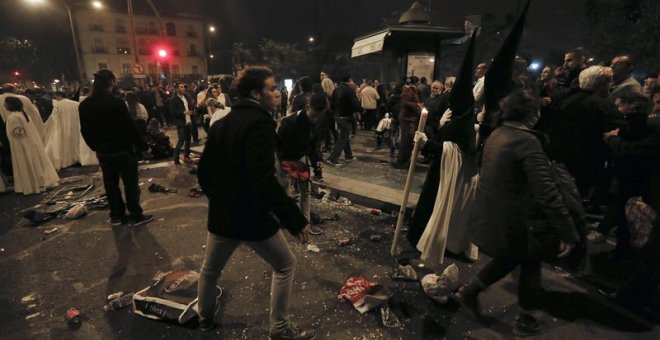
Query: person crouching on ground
x=237, y=173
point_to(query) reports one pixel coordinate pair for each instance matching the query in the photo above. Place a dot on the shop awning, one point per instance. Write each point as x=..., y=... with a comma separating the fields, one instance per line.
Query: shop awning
x=371, y=44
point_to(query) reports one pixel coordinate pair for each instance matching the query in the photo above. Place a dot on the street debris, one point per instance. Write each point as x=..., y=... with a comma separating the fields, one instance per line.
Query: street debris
x=76, y=212
x=114, y=296
x=440, y=288
x=313, y=248
x=343, y=241
x=31, y=316
x=363, y=294
x=404, y=273
x=155, y=187
x=120, y=302
x=376, y=212
x=375, y=238
x=72, y=316
x=195, y=193
x=28, y=298
x=389, y=319
x=51, y=231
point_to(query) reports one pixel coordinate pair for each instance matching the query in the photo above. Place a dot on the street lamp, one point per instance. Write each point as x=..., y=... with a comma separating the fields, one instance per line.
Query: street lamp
x=96, y=4
x=311, y=39
x=211, y=28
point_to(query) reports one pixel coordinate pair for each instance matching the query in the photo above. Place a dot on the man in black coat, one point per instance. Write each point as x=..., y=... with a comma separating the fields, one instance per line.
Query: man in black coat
x=246, y=202
x=108, y=129
x=181, y=108
x=344, y=105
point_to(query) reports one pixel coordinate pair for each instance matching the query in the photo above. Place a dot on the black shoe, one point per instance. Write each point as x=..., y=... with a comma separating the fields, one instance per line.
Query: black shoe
x=293, y=333
x=117, y=221
x=140, y=220
x=527, y=325
x=177, y=161
x=349, y=159
x=332, y=162
x=207, y=325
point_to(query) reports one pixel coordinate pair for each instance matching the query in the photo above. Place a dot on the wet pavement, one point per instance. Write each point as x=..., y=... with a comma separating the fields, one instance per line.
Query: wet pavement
x=43, y=275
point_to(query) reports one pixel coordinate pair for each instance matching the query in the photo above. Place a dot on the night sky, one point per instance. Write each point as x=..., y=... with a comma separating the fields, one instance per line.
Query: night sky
x=557, y=22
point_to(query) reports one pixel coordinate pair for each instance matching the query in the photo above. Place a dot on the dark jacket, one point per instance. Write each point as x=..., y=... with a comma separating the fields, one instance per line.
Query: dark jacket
x=177, y=109
x=409, y=105
x=575, y=134
x=345, y=102
x=436, y=107
x=297, y=138
x=515, y=173
x=107, y=126
x=237, y=173
x=300, y=101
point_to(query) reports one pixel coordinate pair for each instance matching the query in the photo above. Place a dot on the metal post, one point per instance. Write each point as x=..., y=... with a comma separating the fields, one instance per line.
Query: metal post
x=81, y=70
x=131, y=19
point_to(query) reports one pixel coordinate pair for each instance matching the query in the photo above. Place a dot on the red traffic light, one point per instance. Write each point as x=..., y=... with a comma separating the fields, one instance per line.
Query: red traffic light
x=162, y=53
x=16, y=73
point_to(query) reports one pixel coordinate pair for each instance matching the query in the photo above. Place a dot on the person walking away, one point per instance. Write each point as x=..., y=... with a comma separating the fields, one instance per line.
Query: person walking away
x=237, y=174
x=108, y=129
x=344, y=104
x=369, y=99
x=515, y=174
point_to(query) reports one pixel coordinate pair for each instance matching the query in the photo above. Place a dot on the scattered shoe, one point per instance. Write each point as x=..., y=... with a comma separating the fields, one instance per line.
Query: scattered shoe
x=141, y=220
x=314, y=230
x=527, y=325
x=187, y=160
x=332, y=162
x=293, y=333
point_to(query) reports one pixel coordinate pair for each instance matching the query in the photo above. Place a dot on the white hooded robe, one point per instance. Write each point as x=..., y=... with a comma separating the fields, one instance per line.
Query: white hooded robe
x=63, y=134
x=33, y=171
x=30, y=109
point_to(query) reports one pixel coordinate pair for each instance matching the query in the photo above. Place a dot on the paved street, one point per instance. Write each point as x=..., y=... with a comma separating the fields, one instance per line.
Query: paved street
x=41, y=276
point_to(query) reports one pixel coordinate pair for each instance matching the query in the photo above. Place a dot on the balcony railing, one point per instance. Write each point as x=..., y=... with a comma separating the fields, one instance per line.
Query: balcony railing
x=121, y=50
x=99, y=50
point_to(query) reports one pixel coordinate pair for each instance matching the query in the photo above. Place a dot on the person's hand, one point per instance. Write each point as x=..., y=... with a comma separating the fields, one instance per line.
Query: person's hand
x=545, y=101
x=607, y=135
x=303, y=235
x=565, y=249
x=420, y=136
x=319, y=165
x=446, y=117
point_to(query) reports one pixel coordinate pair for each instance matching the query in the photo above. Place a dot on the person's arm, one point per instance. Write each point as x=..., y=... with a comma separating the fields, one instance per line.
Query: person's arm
x=545, y=192
x=260, y=142
x=176, y=108
x=86, y=128
x=131, y=129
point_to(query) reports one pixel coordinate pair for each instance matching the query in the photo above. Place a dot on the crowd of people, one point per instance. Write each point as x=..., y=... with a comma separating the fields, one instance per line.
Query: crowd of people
x=496, y=154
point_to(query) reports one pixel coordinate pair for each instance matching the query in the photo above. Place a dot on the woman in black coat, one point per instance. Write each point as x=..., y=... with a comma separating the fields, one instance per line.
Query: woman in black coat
x=515, y=174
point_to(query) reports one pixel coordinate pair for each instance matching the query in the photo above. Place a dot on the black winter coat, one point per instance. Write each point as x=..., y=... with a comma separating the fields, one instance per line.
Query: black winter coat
x=177, y=109
x=515, y=172
x=237, y=173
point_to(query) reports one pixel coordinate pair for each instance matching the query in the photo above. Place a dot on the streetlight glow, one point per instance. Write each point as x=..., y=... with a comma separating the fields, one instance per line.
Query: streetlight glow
x=311, y=39
x=35, y=2
x=211, y=56
x=97, y=4
x=211, y=28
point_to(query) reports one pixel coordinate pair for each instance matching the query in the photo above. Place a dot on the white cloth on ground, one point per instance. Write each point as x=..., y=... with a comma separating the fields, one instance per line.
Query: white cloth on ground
x=63, y=134
x=33, y=171
x=30, y=109
x=458, y=183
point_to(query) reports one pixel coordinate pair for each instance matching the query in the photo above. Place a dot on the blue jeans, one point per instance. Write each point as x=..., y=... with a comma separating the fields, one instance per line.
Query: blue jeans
x=275, y=251
x=183, y=134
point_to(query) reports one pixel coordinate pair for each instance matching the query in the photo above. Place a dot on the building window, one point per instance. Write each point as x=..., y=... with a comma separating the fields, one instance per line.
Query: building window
x=191, y=33
x=170, y=29
x=96, y=27
x=120, y=25
x=193, y=51
x=175, y=71
x=152, y=28
x=123, y=46
x=99, y=47
x=151, y=68
x=103, y=66
x=195, y=69
x=126, y=69
x=143, y=47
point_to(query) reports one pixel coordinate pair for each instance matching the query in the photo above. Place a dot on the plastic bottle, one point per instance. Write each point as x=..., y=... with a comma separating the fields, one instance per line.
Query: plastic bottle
x=120, y=302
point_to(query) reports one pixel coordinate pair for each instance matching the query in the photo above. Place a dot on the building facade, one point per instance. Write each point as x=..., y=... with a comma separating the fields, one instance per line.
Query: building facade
x=106, y=43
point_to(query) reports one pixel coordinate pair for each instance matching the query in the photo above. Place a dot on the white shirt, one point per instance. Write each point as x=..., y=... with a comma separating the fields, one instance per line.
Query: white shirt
x=185, y=105
x=478, y=90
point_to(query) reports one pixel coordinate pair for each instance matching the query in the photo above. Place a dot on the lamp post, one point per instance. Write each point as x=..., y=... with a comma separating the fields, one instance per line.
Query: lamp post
x=210, y=55
x=74, y=37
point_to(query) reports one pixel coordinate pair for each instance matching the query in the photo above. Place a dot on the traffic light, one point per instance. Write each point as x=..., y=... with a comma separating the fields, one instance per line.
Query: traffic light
x=162, y=53
x=16, y=74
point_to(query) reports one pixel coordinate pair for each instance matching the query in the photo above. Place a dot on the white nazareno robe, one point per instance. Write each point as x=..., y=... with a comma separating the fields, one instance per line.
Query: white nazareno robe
x=447, y=227
x=30, y=109
x=33, y=171
x=63, y=134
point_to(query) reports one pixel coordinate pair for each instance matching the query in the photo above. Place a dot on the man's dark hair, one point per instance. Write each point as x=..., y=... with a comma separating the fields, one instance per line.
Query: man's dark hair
x=14, y=104
x=305, y=84
x=519, y=106
x=346, y=78
x=422, y=80
x=318, y=102
x=102, y=81
x=252, y=78
x=579, y=52
x=653, y=75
